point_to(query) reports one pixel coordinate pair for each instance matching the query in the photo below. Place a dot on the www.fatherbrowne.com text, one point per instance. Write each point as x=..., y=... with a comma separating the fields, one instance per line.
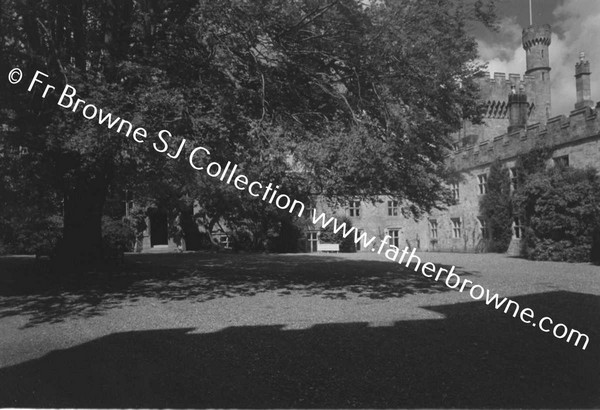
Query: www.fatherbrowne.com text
x=454, y=281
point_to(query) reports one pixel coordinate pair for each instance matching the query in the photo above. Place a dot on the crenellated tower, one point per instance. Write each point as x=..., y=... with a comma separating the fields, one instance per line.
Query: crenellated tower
x=536, y=41
x=514, y=101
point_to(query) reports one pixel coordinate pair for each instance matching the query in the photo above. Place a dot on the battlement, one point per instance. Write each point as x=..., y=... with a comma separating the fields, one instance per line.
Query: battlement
x=582, y=67
x=581, y=124
x=500, y=78
x=494, y=91
x=537, y=35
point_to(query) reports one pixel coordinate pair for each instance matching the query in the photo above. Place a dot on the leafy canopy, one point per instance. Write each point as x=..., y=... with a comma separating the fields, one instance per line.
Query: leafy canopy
x=340, y=98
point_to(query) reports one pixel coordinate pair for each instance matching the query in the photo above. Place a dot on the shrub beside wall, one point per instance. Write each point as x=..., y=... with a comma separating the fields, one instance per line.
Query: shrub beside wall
x=117, y=237
x=561, y=209
x=31, y=235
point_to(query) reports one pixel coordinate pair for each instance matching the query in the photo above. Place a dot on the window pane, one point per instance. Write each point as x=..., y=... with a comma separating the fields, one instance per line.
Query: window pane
x=392, y=208
x=395, y=237
x=456, y=228
x=433, y=229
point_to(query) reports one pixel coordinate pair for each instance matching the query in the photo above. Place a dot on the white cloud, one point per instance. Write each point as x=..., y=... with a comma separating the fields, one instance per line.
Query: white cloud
x=503, y=52
x=578, y=21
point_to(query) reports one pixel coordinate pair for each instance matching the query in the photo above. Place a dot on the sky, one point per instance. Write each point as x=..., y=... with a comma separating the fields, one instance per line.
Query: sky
x=575, y=28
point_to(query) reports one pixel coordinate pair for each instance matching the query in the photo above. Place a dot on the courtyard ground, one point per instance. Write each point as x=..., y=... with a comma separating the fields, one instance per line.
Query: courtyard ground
x=222, y=330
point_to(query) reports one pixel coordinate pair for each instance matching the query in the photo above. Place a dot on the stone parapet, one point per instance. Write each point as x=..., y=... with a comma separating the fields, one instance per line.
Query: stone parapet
x=561, y=130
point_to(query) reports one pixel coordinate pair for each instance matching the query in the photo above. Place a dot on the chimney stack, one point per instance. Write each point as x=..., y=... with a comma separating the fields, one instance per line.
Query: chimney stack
x=582, y=83
x=517, y=109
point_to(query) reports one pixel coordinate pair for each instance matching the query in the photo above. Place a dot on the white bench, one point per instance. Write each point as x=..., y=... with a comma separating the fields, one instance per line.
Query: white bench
x=328, y=247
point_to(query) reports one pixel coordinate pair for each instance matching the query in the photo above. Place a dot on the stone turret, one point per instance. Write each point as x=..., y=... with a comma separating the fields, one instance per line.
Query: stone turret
x=582, y=83
x=536, y=41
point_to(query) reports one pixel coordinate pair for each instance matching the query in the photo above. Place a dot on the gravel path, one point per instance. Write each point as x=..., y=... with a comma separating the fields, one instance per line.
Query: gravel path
x=359, y=303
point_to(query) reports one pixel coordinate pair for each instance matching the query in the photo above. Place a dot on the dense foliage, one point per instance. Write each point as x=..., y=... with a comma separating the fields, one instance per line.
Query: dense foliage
x=532, y=162
x=496, y=209
x=561, y=209
x=118, y=236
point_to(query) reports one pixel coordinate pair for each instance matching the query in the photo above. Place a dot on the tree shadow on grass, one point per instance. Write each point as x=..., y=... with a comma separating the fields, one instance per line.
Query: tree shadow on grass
x=199, y=277
x=476, y=357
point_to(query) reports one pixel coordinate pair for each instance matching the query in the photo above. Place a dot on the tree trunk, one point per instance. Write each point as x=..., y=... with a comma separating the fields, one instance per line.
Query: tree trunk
x=81, y=245
x=77, y=15
x=595, y=253
x=191, y=233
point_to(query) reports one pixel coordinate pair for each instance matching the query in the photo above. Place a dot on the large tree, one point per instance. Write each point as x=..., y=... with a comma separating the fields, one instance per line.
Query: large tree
x=341, y=98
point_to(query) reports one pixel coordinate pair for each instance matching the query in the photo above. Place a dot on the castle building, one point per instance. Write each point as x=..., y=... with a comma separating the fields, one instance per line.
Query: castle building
x=518, y=118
